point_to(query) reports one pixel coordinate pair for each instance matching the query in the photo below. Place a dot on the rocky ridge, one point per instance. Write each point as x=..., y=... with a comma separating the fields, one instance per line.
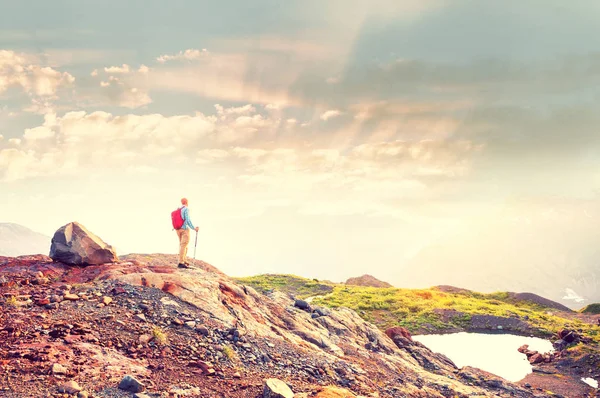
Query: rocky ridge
x=195, y=332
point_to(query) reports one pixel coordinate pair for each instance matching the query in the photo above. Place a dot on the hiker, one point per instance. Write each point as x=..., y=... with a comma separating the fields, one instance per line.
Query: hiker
x=183, y=224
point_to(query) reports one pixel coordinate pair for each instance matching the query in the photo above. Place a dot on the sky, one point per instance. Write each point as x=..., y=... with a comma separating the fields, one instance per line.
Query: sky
x=326, y=139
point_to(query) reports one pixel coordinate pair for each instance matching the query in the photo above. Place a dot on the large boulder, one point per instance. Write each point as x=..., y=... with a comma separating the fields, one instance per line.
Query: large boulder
x=73, y=244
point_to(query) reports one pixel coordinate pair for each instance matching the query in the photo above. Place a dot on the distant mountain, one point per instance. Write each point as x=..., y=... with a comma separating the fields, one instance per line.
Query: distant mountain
x=17, y=240
x=367, y=280
x=554, y=254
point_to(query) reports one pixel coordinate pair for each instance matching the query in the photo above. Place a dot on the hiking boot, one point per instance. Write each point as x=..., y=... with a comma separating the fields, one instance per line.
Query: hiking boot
x=183, y=265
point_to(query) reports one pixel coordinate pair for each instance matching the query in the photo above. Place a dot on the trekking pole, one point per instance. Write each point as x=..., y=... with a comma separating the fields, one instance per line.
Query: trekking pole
x=195, y=244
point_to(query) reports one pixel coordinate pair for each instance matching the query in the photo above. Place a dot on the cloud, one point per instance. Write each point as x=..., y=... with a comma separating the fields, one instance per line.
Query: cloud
x=207, y=156
x=121, y=92
x=118, y=69
x=187, y=55
x=330, y=114
x=241, y=110
x=262, y=69
x=227, y=77
x=141, y=169
x=482, y=80
x=526, y=133
x=38, y=133
x=79, y=140
x=133, y=98
x=241, y=143
x=16, y=70
x=395, y=166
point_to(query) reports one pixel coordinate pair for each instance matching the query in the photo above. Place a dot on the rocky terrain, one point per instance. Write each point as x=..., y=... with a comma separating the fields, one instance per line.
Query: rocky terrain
x=448, y=309
x=142, y=326
x=87, y=323
x=367, y=280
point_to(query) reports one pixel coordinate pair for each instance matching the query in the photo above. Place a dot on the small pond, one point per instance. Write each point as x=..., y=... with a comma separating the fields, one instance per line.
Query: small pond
x=494, y=352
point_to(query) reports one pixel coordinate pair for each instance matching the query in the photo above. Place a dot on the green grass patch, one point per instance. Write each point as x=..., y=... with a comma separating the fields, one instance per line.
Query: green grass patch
x=421, y=310
x=295, y=285
x=159, y=336
x=591, y=309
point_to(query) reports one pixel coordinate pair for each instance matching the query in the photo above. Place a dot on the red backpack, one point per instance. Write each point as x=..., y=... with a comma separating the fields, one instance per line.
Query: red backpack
x=176, y=218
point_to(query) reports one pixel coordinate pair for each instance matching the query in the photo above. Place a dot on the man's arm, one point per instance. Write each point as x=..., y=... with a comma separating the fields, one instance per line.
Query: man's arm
x=186, y=218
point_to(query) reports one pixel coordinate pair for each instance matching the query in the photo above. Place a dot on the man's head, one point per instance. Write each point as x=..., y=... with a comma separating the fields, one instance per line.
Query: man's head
x=184, y=201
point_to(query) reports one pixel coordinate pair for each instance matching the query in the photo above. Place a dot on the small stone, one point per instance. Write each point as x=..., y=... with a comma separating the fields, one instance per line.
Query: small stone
x=70, y=387
x=131, y=384
x=303, y=305
x=70, y=339
x=237, y=375
x=59, y=369
x=202, y=330
x=83, y=394
x=536, y=358
x=70, y=296
x=106, y=300
x=145, y=338
x=275, y=388
x=51, y=306
x=40, y=281
x=144, y=307
x=141, y=317
x=55, y=298
x=177, y=321
x=322, y=311
x=43, y=301
x=190, y=324
x=205, y=366
x=210, y=372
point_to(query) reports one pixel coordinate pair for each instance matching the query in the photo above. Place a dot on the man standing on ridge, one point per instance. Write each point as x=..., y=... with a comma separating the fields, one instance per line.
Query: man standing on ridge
x=184, y=234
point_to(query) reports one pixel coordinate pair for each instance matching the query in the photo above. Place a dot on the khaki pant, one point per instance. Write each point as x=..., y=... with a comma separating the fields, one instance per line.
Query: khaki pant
x=184, y=239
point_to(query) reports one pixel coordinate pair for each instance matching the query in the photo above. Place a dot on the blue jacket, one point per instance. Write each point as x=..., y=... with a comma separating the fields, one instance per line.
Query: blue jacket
x=185, y=214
